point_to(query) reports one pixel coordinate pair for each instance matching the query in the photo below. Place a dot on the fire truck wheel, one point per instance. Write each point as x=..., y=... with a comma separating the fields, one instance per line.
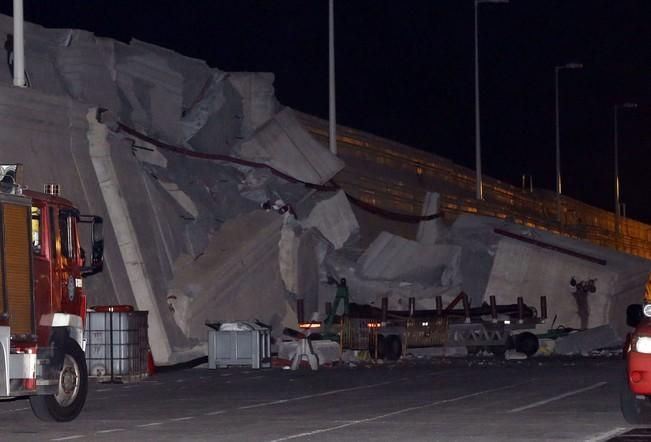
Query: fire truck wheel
x=67, y=403
x=635, y=411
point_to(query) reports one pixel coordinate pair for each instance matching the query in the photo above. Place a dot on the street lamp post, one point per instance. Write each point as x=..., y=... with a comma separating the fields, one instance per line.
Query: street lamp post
x=332, y=127
x=616, y=159
x=480, y=188
x=19, y=45
x=559, y=187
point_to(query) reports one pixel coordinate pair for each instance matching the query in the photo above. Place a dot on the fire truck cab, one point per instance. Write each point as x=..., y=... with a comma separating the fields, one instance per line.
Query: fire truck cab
x=42, y=299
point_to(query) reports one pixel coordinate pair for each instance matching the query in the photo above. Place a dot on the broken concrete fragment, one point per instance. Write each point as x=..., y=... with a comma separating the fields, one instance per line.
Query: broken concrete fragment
x=365, y=291
x=284, y=144
x=326, y=351
x=259, y=103
x=513, y=355
x=152, y=92
x=588, y=340
x=430, y=232
x=236, y=277
x=181, y=198
x=391, y=257
x=334, y=218
x=214, y=124
x=300, y=254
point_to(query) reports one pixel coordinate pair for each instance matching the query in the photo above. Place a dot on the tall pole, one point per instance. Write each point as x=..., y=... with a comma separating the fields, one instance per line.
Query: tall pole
x=558, y=136
x=19, y=45
x=616, y=160
x=480, y=187
x=616, y=166
x=558, y=149
x=559, y=186
x=332, y=133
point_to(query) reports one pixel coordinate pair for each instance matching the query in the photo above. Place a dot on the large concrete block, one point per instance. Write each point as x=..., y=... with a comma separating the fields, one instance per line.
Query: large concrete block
x=259, y=102
x=334, y=218
x=237, y=276
x=284, y=144
x=584, y=341
x=391, y=257
x=431, y=231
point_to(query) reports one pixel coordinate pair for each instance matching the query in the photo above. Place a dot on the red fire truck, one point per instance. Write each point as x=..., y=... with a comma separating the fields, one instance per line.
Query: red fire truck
x=42, y=301
x=635, y=394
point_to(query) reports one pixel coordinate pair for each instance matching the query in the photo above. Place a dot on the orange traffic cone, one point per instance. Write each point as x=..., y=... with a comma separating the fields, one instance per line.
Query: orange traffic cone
x=151, y=366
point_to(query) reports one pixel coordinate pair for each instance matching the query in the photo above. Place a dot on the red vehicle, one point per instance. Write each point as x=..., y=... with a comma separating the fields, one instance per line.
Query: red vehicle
x=635, y=395
x=42, y=301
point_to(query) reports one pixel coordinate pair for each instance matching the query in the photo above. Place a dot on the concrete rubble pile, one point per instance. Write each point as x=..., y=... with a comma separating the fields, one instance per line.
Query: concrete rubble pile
x=201, y=178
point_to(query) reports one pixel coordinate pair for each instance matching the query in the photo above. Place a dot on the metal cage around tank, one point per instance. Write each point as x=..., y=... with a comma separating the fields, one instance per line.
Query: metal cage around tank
x=117, y=344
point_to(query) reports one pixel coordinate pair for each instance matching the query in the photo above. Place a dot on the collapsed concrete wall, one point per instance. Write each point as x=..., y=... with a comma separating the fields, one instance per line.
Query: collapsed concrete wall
x=164, y=212
x=187, y=237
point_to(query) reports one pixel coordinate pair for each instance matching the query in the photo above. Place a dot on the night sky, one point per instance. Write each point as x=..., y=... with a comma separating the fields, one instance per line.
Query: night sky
x=405, y=71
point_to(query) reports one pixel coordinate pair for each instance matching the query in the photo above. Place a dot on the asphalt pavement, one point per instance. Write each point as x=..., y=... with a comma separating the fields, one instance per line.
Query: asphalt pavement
x=474, y=399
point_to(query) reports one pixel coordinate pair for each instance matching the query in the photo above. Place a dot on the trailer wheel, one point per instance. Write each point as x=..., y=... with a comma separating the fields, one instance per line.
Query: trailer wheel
x=635, y=411
x=526, y=343
x=67, y=403
x=392, y=347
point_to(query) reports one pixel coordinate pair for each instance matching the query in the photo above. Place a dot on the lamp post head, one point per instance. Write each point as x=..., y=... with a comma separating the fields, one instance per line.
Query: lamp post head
x=573, y=66
x=491, y=1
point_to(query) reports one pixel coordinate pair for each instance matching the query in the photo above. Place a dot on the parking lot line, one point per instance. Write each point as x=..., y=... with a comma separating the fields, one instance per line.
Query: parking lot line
x=555, y=398
x=151, y=424
x=14, y=410
x=311, y=396
x=393, y=413
x=110, y=430
x=606, y=435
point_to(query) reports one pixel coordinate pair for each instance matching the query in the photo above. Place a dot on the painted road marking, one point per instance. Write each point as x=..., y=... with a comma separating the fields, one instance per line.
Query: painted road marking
x=102, y=390
x=110, y=430
x=179, y=419
x=215, y=413
x=76, y=436
x=393, y=413
x=311, y=396
x=555, y=398
x=607, y=435
x=152, y=424
x=14, y=410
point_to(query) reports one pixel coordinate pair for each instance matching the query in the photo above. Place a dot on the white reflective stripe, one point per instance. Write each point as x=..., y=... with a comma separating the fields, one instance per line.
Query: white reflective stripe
x=22, y=365
x=61, y=320
x=5, y=334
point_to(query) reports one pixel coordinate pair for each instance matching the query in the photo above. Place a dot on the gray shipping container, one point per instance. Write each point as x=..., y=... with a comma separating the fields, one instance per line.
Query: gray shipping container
x=117, y=345
x=239, y=343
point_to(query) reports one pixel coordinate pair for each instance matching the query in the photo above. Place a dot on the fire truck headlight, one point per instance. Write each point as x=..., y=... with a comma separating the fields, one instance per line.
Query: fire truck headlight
x=643, y=344
x=647, y=310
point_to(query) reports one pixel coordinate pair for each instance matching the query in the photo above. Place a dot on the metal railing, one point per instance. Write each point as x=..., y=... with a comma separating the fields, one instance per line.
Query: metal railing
x=406, y=174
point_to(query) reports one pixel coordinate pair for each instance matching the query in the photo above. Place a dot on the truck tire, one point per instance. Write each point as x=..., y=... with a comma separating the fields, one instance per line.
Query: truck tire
x=67, y=403
x=527, y=343
x=635, y=411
